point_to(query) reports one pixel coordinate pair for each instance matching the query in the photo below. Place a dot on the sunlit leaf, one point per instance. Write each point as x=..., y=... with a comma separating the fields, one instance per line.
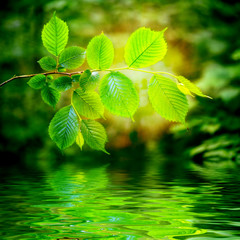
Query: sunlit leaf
x=118, y=94
x=48, y=63
x=64, y=127
x=87, y=104
x=37, y=82
x=145, y=48
x=191, y=86
x=167, y=100
x=55, y=35
x=100, y=52
x=94, y=134
x=184, y=90
x=50, y=95
x=80, y=139
x=72, y=57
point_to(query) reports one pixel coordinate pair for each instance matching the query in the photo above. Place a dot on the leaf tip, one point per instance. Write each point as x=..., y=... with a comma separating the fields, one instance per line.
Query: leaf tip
x=105, y=151
x=164, y=30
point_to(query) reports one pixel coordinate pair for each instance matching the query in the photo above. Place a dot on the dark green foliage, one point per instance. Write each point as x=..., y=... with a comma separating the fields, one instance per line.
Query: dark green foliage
x=50, y=95
x=37, y=82
x=62, y=83
x=48, y=63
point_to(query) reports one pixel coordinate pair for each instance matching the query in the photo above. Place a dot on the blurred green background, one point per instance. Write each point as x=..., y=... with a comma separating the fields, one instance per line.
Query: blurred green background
x=203, y=45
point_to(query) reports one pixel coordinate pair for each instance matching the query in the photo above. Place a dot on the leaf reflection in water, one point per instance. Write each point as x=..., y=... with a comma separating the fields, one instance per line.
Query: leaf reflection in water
x=73, y=203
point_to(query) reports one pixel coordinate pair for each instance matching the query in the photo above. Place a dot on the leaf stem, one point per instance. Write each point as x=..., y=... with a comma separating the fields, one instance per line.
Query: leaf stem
x=135, y=69
x=57, y=62
x=151, y=72
x=79, y=118
x=110, y=69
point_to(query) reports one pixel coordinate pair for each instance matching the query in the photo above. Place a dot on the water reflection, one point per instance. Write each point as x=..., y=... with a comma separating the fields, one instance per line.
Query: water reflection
x=105, y=203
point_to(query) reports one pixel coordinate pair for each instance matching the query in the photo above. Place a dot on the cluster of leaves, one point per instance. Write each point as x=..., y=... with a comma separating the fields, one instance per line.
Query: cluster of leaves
x=77, y=122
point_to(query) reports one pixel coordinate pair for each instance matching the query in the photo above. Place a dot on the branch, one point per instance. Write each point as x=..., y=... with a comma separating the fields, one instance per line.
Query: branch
x=72, y=73
x=32, y=75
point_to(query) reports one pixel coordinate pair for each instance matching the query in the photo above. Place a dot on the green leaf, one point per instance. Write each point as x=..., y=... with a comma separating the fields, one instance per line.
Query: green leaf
x=118, y=94
x=37, y=82
x=236, y=54
x=87, y=104
x=64, y=127
x=72, y=57
x=191, y=86
x=55, y=35
x=84, y=78
x=184, y=90
x=80, y=139
x=62, y=83
x=167, y=100
x=100, y=52
x=50, y=77
x=94, y=134
x=89, y=81
x=48, y=63
x=76, y=77
x=50, y=96
x=62, y=69
x=145, y=48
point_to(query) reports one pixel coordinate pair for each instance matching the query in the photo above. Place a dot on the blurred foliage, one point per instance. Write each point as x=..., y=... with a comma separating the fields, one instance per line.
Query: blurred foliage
x=203, y=46
x=214, y=125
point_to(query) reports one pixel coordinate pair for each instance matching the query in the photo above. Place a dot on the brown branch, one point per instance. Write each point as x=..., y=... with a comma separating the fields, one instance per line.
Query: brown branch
x=32, y=75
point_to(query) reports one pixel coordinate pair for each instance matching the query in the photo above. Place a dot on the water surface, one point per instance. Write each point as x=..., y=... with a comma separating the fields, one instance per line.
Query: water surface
x=105, y=202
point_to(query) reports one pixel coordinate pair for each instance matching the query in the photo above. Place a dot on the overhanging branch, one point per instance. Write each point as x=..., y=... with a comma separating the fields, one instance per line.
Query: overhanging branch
x=32, y=75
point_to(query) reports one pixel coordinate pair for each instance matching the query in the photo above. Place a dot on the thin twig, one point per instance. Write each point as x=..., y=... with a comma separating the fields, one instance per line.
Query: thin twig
x=32, y=75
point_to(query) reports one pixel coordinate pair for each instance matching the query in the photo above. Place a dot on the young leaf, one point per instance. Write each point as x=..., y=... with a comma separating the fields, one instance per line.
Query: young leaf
x=89, y=81
x=64, y=127
x=167, y=100
x=118, y=94
x=50, y=96
x=191, y=86
x=62, y=83
x=94, y=134
x=48, y=63
x=72, y=57
x=87, y=104
x=80, y=139
x=37, y=82
x=145, y=48
x=55, y=35
x=184, y=90
x=100, y=52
